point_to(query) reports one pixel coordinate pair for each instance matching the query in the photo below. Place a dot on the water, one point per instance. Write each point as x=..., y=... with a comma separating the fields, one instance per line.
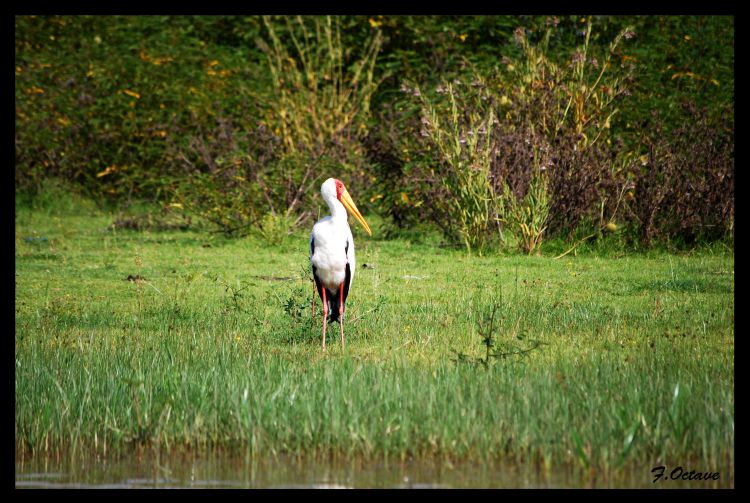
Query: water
x=191, y=471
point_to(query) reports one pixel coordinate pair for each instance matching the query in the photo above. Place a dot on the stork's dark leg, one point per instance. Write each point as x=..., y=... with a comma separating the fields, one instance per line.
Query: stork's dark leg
x=312, y=301
x=325, y=316
x=341, y=314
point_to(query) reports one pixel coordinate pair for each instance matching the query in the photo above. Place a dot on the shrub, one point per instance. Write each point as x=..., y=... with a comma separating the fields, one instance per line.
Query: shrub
x=459, y=131
x=318, y=96
x=220, y=170
x=99, y=99
x=310, y=121
x=545, y=162
x=238, y=119
x=685, y=180
x=559, y=114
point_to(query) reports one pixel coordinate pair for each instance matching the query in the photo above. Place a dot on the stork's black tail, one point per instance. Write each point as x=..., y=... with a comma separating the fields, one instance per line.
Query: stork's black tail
x=334, y=300
x=333, y=297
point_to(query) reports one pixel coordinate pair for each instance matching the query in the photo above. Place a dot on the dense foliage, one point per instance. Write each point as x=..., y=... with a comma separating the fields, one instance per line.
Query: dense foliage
x=499, y=130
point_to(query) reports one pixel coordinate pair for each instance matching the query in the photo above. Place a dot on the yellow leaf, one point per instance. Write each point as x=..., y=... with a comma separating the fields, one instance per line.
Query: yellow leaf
x=110, y=169
x=132, y=93
x=374, y=23
x=155, y=61
x=463, y=37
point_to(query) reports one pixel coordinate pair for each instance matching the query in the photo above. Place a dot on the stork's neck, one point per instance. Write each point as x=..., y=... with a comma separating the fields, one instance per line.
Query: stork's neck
x=337, y=209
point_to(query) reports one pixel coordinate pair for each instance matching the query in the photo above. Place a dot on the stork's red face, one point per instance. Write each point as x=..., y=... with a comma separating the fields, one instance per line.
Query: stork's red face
x=343, y=195
x=339, y=188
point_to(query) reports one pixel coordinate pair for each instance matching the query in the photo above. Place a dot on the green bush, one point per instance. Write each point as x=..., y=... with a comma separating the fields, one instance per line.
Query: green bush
x=239, y=119
x=100, y=99
x=498, y=147
x=459, y=131
x=311, y=117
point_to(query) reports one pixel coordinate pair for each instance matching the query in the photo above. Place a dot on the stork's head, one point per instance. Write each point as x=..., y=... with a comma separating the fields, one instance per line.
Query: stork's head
x=334, y=188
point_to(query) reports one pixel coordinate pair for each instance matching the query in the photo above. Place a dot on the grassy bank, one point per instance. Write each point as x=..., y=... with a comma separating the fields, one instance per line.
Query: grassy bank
x=600, y=362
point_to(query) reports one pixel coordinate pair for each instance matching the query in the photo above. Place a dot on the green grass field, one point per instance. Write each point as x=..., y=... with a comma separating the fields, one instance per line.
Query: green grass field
x=602, y=363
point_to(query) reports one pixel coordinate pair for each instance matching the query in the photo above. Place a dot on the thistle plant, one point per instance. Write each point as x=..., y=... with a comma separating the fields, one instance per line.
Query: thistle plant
x=463, y=142
x=568, y=104
x=528, y=216
x=584, y=89
x=317, y=98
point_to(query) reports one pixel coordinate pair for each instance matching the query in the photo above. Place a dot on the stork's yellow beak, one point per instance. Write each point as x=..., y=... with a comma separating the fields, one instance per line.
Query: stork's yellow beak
x=346, y=200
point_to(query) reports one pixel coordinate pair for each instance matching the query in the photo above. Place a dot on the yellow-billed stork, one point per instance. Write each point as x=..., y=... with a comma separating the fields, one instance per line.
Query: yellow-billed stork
x=332, y=254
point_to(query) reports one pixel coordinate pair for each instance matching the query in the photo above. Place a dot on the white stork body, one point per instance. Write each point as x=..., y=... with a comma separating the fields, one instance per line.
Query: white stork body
x=332, y=254
x=334, y=249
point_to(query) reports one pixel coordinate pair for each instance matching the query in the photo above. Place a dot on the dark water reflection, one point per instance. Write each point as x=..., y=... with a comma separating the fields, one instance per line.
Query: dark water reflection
x=215, y=471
